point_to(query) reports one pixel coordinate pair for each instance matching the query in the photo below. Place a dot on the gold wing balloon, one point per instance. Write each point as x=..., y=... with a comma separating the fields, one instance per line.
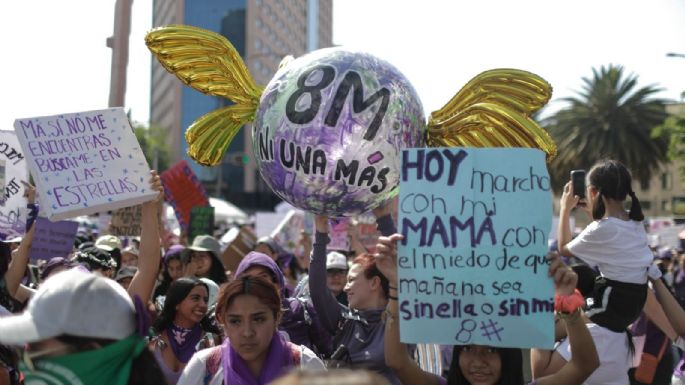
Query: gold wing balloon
x=493, y=110
x=208, y=62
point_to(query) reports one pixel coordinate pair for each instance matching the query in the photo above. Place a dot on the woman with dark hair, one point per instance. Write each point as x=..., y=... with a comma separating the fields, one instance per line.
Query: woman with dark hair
x=487, y=365
x=81, y=345
x=254, y=352
x=182, y=326
x=615, y=242
x=357, y=330
x=202, y=259
x=172, y=269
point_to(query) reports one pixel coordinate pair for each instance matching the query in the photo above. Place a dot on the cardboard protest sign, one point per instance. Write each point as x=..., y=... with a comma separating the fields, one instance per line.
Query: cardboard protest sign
x=472, y=264
x=287, y=233
x=52, y=239
x=85, y=162
x=201, y=222
x=13, y=203
x=126, y=221
x=183, y=191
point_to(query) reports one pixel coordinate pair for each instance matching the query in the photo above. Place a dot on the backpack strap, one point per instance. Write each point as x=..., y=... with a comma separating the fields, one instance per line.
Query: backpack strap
x=212, y=364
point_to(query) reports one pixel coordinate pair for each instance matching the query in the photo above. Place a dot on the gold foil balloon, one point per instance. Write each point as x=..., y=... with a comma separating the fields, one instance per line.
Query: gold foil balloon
x=330, y=125
x=207, y=62
x=493, y=110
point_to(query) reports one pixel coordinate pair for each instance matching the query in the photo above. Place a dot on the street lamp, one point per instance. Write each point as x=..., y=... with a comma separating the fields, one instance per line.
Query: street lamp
x=674, y=54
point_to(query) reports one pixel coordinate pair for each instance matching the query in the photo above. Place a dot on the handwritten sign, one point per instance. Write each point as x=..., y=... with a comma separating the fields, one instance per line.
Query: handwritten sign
x=13, y=206
x=183, y=191
x=52, y=239
x=126, y=221
x=472, y=265
x=85, y=162
x=201, y=222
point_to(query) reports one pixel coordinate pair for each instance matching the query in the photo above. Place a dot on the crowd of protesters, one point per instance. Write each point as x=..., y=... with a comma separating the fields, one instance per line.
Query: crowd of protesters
x=142, y=311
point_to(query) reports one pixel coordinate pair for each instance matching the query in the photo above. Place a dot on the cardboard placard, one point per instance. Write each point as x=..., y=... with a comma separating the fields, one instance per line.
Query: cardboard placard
x=85, y=162
x=472, y=266
x=126, y=221
x=183, y=191
x=201, y=222
x=13, y=206
x=52, y=239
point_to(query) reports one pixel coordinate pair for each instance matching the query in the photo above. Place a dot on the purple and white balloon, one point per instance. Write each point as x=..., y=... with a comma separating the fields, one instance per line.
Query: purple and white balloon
x=330, y=128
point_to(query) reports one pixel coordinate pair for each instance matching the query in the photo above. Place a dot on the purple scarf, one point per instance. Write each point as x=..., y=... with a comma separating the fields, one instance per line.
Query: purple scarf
x=183, y=341
x=277, y=359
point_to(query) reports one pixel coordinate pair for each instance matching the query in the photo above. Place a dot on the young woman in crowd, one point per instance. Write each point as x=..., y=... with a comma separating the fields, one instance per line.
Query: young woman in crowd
x=254, y=352
x=81, y=328
x=202, y=259
x=615, y=242
x=485, y=365
x=172, y=269
x=13, y=263
x=299, y=320
x=182, y=326
x=358, y=329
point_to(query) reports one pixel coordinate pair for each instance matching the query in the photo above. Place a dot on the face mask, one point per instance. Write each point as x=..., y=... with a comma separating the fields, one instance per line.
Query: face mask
x=109, y=365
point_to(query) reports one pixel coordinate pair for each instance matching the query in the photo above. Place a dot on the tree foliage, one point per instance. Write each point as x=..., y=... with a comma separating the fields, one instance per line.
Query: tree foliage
x=609, y=118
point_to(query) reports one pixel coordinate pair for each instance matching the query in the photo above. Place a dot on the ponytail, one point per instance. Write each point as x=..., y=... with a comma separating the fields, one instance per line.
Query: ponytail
x=598, y=209
x=635, y=212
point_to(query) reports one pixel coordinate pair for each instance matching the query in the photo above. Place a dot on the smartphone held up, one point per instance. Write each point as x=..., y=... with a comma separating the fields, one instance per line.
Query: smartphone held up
x=578, y=185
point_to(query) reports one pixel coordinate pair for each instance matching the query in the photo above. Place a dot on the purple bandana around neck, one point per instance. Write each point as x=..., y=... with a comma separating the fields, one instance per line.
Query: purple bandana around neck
x=183, y=341
x=236, y=372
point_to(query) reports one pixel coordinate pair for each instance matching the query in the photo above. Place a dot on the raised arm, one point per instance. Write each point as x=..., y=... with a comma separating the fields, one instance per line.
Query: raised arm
x=143, y=281
x=327, y=307
x=670, y=306
x=584, y=359
x=20, y=257
x=566, y=204
x=396, y=353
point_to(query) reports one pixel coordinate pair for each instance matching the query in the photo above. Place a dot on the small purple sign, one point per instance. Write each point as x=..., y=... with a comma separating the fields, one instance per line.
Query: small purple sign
x=52, y=239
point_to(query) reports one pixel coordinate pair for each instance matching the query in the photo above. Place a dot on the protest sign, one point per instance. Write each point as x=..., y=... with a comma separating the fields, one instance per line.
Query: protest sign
x=126, y=221
x=183, y=191
x=287, y=233
x=472, y=264
x=13, y=203
x=338, y=234
x=201, y=222
x=85, y=162
x=267, y=222
x=52, y=239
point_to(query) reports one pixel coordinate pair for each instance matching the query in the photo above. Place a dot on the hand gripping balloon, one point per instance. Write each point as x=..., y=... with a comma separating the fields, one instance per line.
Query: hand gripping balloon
x=330, y=126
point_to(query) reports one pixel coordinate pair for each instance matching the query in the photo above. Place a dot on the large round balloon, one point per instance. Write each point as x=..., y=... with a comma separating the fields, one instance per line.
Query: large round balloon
x=330, y=128
x=330, y=125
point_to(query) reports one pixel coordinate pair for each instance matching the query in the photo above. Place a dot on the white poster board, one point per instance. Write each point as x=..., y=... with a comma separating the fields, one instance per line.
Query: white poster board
x=84, y=163
x=13, y=205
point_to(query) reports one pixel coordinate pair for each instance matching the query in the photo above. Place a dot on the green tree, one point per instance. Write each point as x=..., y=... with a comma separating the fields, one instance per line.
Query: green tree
x=153, y=142
x=673, y=128
x=609, y=118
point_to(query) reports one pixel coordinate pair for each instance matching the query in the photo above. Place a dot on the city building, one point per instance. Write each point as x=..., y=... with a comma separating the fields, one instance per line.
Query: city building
x=263, y=32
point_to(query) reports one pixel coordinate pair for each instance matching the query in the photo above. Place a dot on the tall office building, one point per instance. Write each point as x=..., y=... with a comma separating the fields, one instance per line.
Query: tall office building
x=263, y=32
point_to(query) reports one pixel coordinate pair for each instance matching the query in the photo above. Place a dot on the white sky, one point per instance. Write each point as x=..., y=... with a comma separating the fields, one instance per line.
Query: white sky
x=54, y=57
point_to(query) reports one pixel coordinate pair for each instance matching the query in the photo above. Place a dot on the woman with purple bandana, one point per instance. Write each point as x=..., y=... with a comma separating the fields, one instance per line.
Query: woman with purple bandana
x=182, y=326
x=299, y=321
x=254, y=352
